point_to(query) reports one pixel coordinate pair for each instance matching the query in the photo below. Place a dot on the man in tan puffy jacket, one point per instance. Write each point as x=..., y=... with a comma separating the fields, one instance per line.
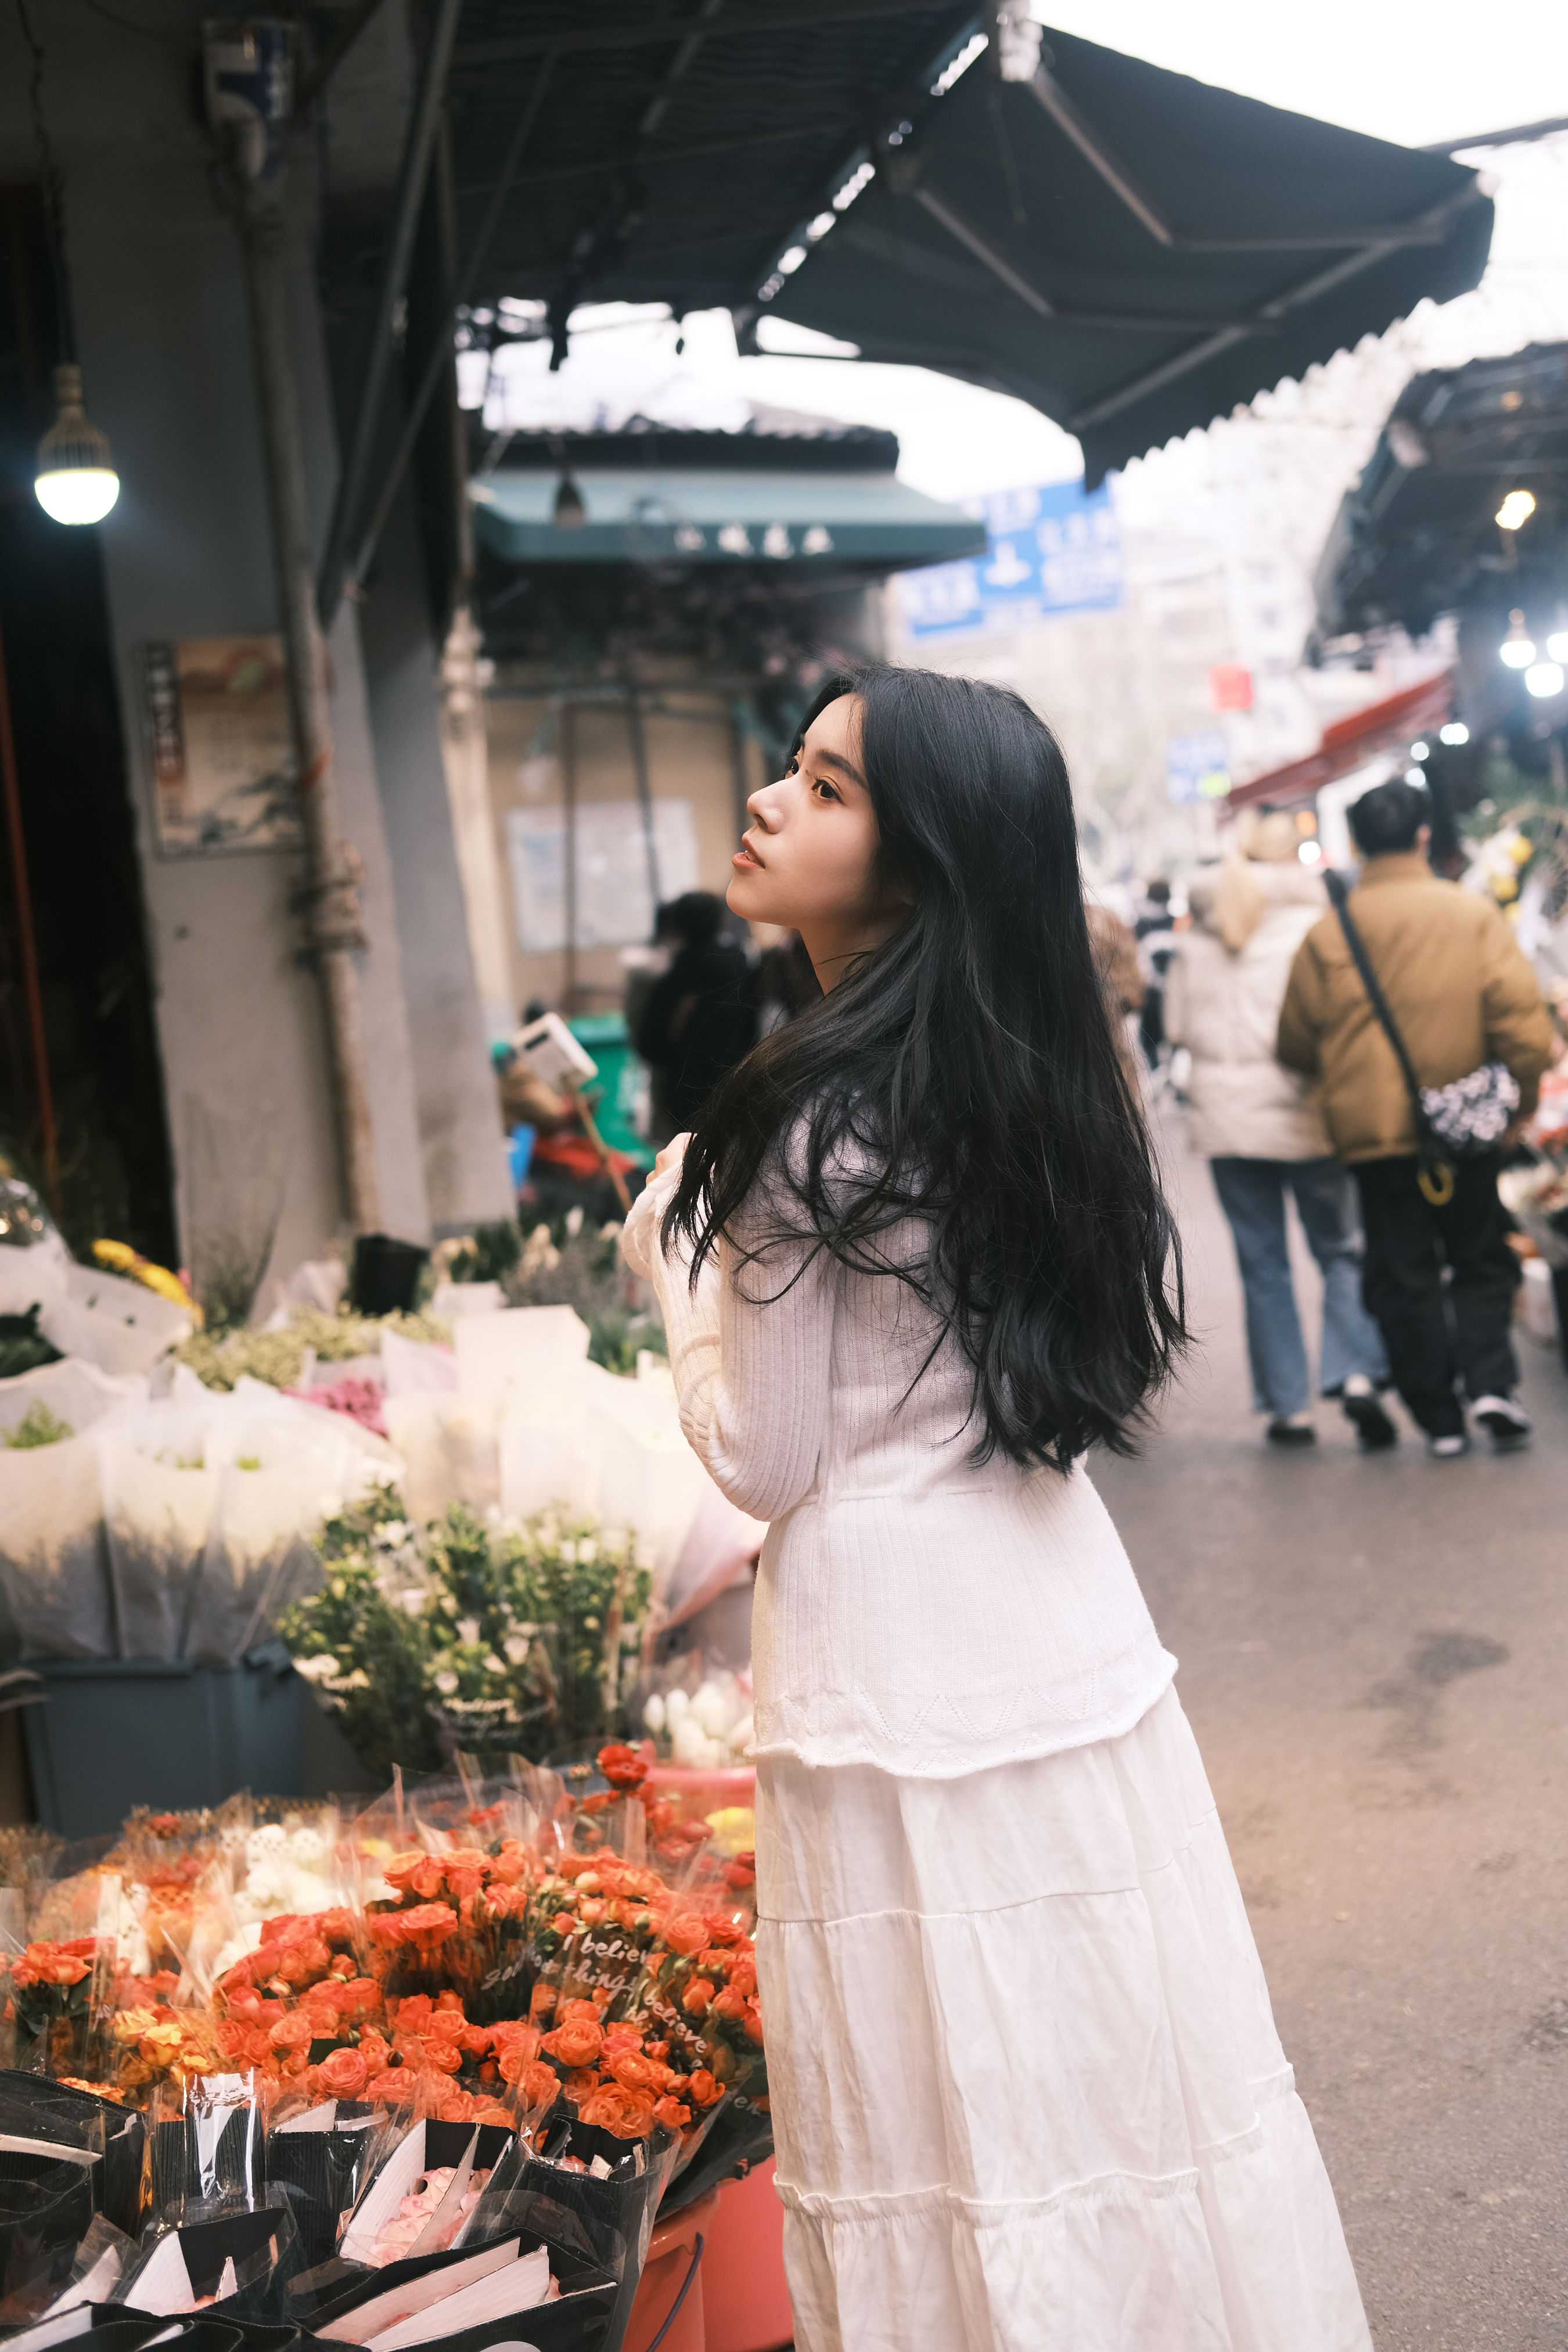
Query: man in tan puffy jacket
x=1461, y=993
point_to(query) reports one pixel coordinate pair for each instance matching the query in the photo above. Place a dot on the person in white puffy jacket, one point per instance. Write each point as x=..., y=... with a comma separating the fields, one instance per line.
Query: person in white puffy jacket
x=1258, y=1125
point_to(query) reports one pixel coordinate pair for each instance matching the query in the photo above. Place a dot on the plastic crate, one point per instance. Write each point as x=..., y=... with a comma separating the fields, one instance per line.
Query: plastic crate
x=115, y=1733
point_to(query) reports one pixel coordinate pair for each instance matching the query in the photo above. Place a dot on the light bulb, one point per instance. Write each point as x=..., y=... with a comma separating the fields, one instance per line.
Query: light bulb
x=1518, y=648
x=1420, y=751
x=1544, y=678
x=76, y=481
x=1515, y=510
x=1456, y=731
x=1557, y=645
x=1309, y=852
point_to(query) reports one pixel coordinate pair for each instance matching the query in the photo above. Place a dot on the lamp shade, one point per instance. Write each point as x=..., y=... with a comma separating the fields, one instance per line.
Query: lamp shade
x=74, y=479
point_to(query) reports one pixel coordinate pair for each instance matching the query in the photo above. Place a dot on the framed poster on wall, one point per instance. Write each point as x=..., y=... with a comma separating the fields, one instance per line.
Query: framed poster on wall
x=221, y=746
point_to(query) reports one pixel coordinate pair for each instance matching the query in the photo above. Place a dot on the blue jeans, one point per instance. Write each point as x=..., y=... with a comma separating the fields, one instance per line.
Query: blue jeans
x=1252, y=1194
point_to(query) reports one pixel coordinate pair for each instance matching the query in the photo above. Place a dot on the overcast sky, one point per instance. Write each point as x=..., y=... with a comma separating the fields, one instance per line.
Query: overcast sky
x=1384, y=66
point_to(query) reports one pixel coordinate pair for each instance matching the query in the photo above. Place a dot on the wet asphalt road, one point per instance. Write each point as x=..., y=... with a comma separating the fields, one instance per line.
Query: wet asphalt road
x=1374, y=1656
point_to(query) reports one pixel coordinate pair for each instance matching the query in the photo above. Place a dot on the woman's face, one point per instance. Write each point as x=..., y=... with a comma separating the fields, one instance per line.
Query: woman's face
x=808, y=860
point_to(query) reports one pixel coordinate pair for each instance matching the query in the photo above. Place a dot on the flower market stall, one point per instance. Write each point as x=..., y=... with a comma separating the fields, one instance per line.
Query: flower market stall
x=428, y=2074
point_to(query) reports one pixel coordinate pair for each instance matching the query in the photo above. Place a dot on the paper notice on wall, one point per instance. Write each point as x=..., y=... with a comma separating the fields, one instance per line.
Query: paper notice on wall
x=614, y=895
x=221, y=745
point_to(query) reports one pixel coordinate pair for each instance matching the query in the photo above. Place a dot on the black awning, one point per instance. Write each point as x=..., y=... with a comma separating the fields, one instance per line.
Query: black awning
x=1417, y=534
x=1133, y=252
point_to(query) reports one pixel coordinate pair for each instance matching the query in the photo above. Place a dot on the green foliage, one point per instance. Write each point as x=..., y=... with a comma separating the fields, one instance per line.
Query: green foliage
x=221, y=1357
x=23, y=1347
x=38, y=1426
x=519, y=1640
x=490, y=1254
x=362, y=1639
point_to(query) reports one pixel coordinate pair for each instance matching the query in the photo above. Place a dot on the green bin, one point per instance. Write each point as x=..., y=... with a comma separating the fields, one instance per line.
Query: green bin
x=607, y=1038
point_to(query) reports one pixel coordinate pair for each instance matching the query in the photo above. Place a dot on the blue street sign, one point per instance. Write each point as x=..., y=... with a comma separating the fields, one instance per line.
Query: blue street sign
x=1052, y=548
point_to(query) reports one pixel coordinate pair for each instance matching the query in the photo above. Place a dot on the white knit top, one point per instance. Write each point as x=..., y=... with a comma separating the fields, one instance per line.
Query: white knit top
x=912, y=1612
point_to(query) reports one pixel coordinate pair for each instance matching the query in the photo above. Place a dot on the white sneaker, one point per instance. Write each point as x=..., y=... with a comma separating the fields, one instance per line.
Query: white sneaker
x=1506, y=1419
x=1447, y=1449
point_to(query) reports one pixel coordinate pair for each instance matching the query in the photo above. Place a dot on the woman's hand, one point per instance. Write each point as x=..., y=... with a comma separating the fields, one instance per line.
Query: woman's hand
x=639, y=1235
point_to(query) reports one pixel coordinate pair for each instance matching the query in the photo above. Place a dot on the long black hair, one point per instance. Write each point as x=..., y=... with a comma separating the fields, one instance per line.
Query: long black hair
x=967, y=1066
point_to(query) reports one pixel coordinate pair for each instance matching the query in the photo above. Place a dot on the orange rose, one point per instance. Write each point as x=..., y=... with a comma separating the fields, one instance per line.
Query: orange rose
x=343, y=2075
x=296, y=2032
x=633, y=2071
x=414, y=1874
x=672, y=2112
x=696, y=1996
x=685, y=1934
x=579, y=2012
x=754, y=2023
x=701, y=2087
x=537, y=2085
x=628, y=2114
x=445, y=2056
x=576, y=2043
x=743, y=1973
x=731, y=2003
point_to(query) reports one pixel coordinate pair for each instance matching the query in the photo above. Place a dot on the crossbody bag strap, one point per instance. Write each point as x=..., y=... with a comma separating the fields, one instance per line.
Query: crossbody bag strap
x=1436, y=1178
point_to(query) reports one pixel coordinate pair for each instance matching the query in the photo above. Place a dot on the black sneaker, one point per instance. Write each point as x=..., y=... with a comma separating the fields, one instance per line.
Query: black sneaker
x=1506, y=1420
x=1362, y=1405
x=1290, y=1429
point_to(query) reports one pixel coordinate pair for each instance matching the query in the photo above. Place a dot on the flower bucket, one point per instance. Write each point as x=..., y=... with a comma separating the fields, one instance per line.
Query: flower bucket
x=700, y=1793
x=672, y=2275
x=745, y=2298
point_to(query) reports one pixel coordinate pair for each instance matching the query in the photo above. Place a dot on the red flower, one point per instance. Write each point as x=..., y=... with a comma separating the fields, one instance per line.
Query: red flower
x=622, y=1767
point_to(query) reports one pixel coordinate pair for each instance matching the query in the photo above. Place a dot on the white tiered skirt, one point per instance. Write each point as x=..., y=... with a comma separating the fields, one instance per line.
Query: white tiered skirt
x=1026, y=2089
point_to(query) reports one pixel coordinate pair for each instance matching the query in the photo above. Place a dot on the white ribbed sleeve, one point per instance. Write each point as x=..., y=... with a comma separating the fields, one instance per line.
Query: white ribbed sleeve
x=914, y=1610
x=753, y=1380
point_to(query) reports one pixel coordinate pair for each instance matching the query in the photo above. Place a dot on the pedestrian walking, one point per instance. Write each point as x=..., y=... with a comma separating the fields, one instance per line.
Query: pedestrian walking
x=1025, y=2087
x=700, y=1018
x=1115, y=949
x=1155, y=932
x=1262, y=1134
x=1462, y=1004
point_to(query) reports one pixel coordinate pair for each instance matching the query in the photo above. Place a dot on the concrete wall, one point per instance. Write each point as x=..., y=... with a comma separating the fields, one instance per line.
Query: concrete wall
x=159, y=298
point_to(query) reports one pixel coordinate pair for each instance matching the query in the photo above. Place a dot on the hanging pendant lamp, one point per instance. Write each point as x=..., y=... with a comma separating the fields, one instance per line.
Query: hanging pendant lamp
x=76, y=481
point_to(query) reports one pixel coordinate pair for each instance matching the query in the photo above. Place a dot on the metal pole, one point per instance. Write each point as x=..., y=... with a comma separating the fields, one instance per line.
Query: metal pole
x=335, y=931
x=28, y=943
x=569, y=849
x=644, y=793
x=416, y=172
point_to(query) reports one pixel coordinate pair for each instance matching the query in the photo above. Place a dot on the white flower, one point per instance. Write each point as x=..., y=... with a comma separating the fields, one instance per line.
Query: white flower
x=516, y=1648
x=574, y=1223
x=392, y=1533
x=494, y=1666
x=317, y=1670
x=468, y=1628
x=447, y=1684
x=413, y=1601
x=653, y=1714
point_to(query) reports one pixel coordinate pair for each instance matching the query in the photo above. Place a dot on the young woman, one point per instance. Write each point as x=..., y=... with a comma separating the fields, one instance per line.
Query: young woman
x=1027, y=2090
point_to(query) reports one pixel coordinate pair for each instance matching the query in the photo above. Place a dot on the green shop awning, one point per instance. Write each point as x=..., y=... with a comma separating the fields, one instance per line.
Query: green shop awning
x=817, y=521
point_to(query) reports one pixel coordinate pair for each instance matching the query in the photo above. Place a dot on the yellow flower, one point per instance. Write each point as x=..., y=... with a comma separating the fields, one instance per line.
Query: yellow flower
x=1522, y=848
x=1505, y=885
x=121, y=1258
